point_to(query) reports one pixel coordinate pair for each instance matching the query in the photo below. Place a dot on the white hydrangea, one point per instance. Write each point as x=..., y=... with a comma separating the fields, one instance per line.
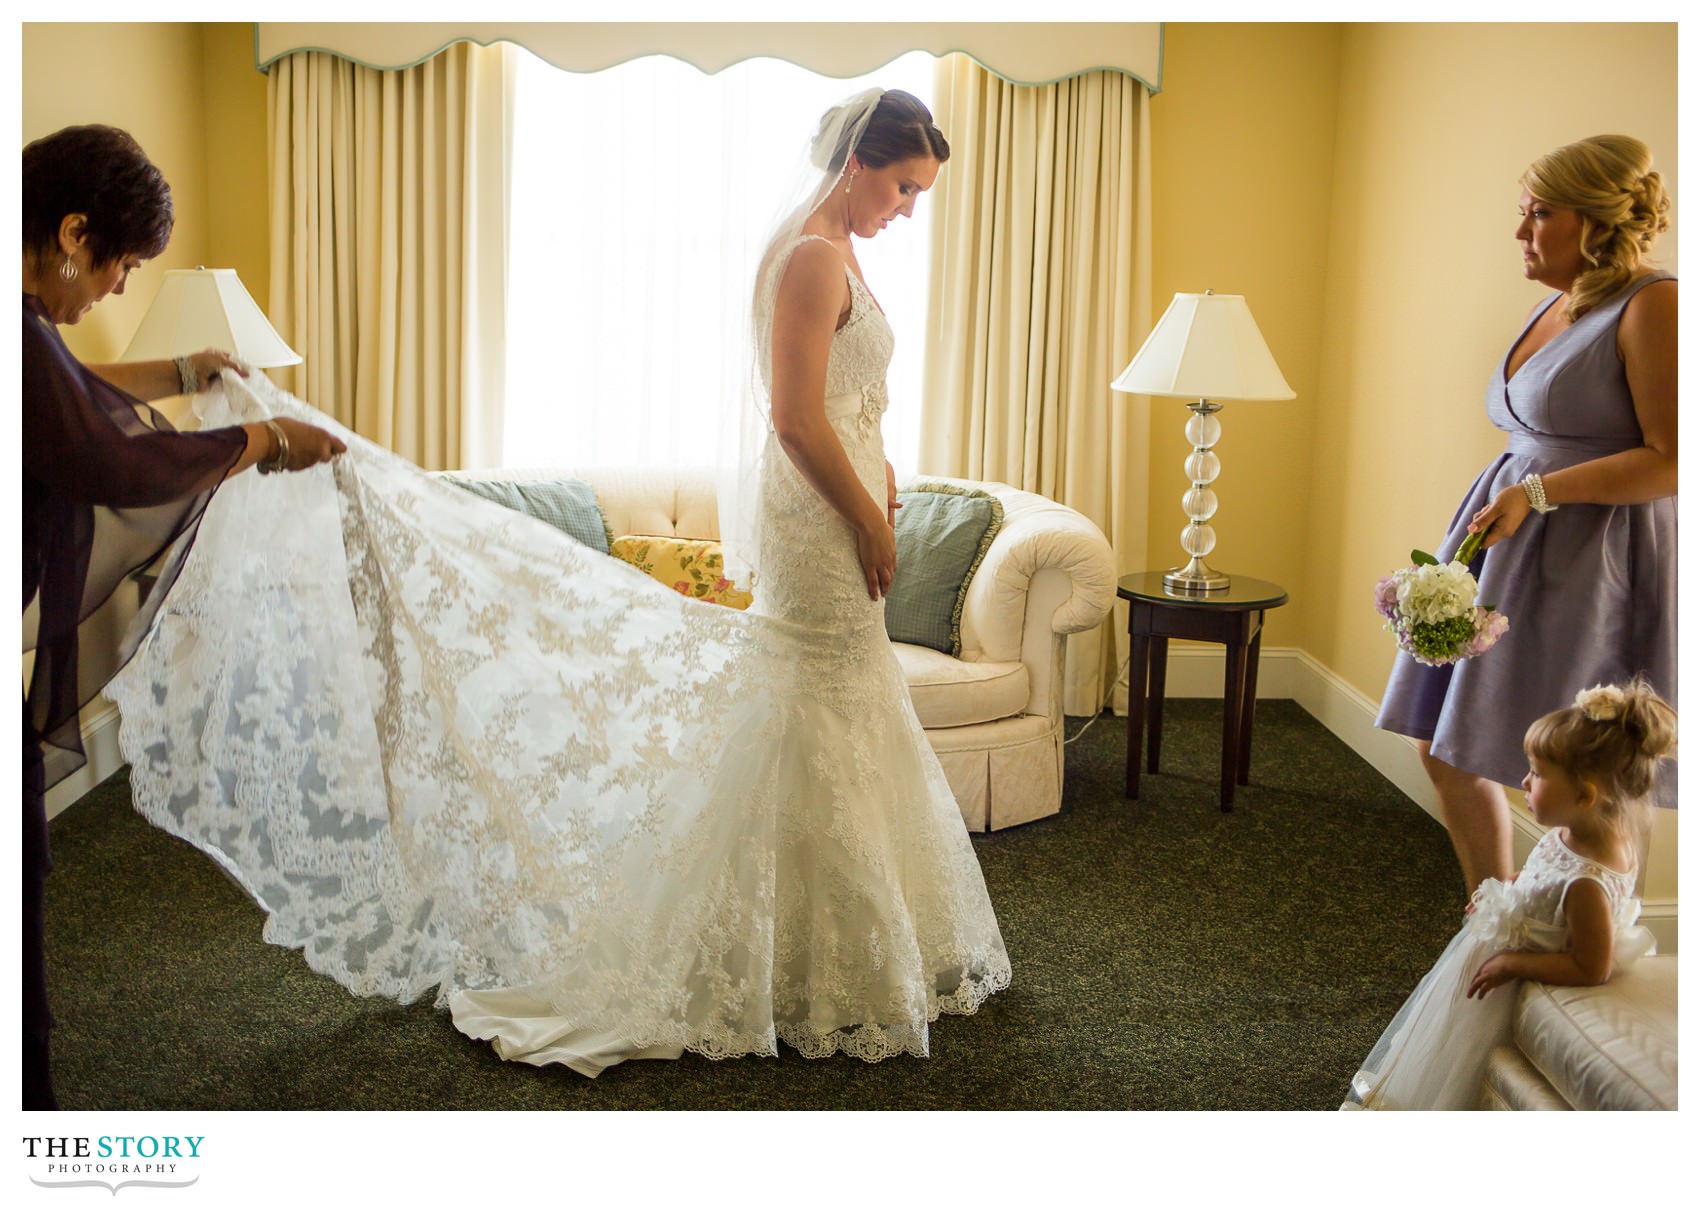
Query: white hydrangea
x=1432, y=593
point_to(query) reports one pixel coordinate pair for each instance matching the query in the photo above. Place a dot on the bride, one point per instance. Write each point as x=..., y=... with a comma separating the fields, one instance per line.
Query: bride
x=446, y=747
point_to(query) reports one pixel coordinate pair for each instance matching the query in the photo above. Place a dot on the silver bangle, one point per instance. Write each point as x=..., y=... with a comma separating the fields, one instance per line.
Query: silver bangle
x=280, y=460
x=188, y=375
x=1537, y=494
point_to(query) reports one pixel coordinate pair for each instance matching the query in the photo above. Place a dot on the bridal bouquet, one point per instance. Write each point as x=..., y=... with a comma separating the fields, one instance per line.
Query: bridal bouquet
x=1431, y=608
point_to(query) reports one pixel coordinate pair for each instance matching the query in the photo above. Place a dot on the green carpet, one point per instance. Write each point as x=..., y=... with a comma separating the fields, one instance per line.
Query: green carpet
x=1166, y=956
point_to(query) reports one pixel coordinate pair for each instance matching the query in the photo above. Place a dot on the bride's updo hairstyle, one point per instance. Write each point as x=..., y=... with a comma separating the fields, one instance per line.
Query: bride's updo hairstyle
x=101, y=172
x=900, y=128
x=1613, y=737
x=1609, y=181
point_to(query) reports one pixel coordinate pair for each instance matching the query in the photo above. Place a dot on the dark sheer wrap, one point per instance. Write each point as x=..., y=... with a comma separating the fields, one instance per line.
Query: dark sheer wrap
x=108, y=486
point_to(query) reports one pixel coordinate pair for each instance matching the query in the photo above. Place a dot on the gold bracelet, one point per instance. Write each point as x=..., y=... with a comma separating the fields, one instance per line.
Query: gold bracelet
x=279, y=461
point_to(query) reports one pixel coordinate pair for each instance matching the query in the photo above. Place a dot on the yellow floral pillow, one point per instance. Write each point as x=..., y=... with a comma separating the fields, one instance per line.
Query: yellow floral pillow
x=691, y=566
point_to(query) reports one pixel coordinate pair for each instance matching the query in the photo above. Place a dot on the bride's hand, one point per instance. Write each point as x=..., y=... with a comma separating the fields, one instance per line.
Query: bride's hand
x=892, y=504
x=877, y=546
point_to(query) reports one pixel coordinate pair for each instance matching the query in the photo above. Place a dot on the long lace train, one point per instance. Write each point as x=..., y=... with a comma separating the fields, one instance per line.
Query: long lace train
x=446, y=747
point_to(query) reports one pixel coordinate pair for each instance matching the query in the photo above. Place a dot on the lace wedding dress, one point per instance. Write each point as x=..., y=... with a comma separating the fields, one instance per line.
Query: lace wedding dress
x=446, y=747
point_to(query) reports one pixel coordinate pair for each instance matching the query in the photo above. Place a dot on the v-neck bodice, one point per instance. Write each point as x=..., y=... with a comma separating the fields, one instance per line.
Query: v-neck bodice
x=1571, y=393
x=1535, y=317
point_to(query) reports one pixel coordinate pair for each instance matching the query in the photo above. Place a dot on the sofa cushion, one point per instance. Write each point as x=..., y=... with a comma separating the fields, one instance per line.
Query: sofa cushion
x=943, y=532
x=949, y=693
x=566, y=504
x=1605, y=1047
x=1511, y=1083
x=691, y=566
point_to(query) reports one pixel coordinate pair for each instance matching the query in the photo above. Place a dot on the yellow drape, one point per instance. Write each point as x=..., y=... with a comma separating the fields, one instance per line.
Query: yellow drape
x=389, y=235
x=1041, y=295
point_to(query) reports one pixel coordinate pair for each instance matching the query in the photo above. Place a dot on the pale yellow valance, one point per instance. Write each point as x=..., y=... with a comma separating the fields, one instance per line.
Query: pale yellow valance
x=1022, y=52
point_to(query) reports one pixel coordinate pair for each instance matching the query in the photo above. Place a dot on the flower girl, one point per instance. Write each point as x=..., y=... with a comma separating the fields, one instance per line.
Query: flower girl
x=1568, y=918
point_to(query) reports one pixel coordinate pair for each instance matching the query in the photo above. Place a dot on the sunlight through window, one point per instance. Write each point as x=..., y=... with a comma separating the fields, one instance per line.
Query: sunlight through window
x=641, y=195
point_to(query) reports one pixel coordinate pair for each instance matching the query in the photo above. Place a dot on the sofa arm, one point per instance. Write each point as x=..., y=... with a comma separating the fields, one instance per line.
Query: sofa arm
x=1047, y=561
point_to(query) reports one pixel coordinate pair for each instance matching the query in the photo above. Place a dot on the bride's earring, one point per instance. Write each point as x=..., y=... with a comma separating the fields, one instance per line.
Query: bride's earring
x=68, y=271
x=851, y=180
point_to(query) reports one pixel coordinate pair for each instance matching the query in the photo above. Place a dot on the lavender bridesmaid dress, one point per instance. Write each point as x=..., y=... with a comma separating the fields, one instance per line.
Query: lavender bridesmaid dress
x=1590, y=589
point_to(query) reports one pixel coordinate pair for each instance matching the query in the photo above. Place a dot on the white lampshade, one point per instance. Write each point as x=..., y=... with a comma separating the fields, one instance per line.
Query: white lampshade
x=1205, y=347
x=198, y=309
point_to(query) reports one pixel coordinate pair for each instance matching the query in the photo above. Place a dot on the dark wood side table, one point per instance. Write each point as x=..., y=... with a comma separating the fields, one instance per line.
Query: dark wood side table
x=1232, y=617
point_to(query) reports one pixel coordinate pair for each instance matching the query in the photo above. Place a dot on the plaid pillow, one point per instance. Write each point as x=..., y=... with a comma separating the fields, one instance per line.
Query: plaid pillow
x=567, y=505
x=943, y=532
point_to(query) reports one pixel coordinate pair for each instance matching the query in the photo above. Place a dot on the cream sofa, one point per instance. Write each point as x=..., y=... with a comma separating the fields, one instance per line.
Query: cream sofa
x=1608, y=1047
x=994, y=717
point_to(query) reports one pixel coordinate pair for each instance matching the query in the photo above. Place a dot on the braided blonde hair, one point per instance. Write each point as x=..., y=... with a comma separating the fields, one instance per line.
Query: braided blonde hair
x=1609, y=181
x=1613, y=737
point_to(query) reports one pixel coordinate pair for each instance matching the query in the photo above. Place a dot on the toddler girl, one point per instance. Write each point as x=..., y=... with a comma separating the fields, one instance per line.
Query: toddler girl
x=1568, y=918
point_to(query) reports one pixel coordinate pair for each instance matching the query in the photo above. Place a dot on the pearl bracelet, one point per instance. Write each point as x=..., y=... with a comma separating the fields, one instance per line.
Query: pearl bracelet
x=280, y=460
x=187, y=375
x=1537, y=494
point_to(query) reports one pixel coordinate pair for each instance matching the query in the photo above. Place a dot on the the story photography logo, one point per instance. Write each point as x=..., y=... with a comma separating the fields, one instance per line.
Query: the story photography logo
x=111, y=1161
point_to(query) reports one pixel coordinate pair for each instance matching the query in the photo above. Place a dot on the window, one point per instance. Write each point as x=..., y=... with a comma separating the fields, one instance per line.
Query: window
x=640, y=198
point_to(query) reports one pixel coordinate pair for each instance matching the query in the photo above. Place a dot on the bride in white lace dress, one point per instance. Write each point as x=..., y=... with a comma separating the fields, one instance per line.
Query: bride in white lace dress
x=446, y=747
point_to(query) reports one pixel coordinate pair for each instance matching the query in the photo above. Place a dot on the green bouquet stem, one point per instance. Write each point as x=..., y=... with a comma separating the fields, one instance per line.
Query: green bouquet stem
x=1467, y=550
x=1470, y=547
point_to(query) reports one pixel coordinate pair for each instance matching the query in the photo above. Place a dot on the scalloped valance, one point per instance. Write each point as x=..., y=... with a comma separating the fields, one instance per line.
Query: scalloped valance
x=1022, y=52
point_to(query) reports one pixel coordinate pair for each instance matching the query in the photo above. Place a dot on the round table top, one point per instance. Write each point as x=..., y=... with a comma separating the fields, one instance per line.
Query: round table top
x=1242, y=593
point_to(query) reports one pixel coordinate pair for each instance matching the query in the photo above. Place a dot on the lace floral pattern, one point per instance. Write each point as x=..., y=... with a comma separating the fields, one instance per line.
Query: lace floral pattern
x=446, y=749
x=1527, y=913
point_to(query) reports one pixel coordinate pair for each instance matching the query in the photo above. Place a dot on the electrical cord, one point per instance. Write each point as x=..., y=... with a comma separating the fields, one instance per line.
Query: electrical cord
x=1120, y=673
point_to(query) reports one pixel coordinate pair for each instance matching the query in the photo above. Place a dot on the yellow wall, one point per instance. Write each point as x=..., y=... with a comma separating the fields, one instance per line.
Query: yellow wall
x=238, y=230
x=1242, y=150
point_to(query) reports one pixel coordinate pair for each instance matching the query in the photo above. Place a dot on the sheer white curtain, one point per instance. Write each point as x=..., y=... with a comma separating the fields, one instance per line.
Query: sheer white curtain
x=641, y=195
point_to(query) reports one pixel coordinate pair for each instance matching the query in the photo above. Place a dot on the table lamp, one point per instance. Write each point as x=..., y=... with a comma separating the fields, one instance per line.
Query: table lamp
x=1205, y=349
x=200, y=308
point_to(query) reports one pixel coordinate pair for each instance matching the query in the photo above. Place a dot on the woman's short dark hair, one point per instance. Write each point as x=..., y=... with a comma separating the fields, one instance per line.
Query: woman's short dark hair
x=101, y=172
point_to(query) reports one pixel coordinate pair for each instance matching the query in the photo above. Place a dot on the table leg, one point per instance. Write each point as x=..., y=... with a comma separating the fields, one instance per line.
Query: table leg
x=1233, y=697
x=1159, y=663
x=1139, y=650
x=1250, y=707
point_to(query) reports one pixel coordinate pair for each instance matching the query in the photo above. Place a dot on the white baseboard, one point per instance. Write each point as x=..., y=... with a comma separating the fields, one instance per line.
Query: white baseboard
x=100, y=747
x=1292, y=673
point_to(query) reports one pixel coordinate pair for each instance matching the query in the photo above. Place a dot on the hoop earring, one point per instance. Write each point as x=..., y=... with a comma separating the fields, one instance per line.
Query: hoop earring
x=68, y=271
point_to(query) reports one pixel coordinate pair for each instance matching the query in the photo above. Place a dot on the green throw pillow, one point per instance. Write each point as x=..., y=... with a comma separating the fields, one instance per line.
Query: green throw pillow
x=943, y=532
x=567, y=505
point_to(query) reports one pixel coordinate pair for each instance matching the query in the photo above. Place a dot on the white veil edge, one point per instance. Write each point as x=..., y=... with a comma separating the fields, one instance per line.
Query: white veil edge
x=746, y=420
